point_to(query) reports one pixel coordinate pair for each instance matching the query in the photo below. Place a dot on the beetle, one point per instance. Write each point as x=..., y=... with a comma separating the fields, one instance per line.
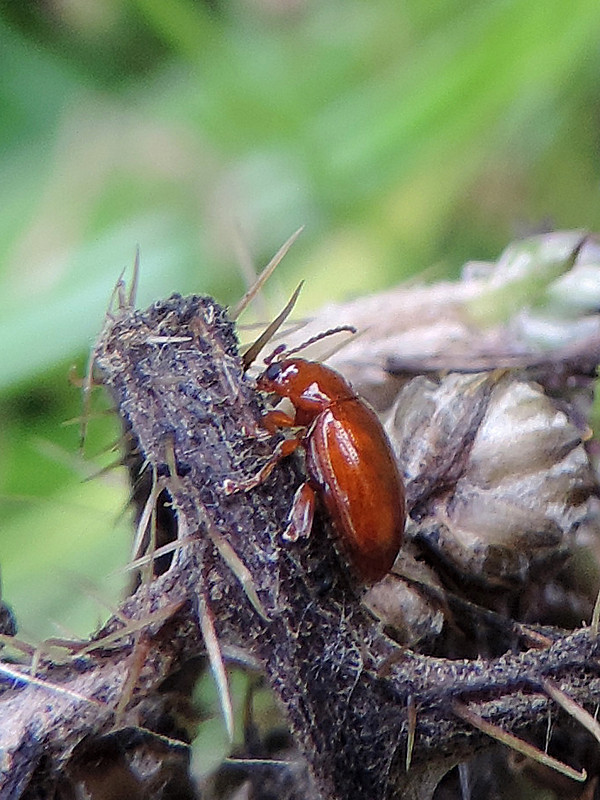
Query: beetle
x=351, y=467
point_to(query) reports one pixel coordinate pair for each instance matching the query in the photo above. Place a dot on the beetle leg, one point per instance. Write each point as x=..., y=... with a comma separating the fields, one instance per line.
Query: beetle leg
x=283, y=449
x=273, y=420
x=302, y=513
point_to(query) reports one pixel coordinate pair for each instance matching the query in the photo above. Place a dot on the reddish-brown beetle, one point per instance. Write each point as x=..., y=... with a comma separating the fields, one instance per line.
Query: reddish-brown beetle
x=349, y=460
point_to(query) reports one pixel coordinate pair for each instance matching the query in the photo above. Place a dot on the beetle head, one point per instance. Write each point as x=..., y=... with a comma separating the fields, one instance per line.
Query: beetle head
x=282, y=378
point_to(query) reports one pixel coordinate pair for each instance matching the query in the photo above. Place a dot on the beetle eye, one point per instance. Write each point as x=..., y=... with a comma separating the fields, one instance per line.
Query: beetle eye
x=273, y=371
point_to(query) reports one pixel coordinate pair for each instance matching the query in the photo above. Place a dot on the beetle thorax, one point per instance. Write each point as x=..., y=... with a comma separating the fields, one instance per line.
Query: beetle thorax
x=310, y=386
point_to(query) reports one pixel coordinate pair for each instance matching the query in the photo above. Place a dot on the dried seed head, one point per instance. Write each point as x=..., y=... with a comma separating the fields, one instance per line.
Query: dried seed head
x=499, y=483
x=403, y=603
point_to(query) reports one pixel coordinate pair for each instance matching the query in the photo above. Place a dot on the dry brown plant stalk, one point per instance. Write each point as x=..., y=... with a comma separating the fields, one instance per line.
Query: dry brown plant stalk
x=361, y=709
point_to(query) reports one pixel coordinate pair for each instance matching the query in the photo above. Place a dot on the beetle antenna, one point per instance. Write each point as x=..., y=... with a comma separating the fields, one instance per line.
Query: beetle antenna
x=340, y=345
x=270, y=330
x=272, y=356
x=319, y=336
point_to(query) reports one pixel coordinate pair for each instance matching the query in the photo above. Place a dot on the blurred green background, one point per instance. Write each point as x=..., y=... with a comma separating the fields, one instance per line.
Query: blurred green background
x=404, y=135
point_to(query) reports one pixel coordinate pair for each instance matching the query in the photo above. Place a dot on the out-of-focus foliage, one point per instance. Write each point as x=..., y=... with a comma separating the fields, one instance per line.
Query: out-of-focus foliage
x=403, y=135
